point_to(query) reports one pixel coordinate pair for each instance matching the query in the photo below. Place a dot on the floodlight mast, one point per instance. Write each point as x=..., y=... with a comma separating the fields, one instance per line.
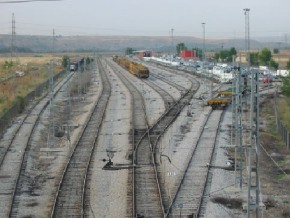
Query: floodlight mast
x=247, y=34
x=253, y=201
x=172, y=45
x=203, y=41
x=203, y=54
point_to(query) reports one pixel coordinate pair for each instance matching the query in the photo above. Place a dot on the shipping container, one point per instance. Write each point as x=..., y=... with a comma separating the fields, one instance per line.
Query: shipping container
x=187, y=54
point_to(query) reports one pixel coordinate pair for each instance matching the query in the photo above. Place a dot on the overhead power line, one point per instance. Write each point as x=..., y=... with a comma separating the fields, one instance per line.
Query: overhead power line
x=25, y=1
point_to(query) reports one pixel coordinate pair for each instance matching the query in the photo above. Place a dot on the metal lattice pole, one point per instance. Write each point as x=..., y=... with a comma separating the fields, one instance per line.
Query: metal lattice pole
x=13, y=38
x=203, y=54
x=239, y=149
x=172, y=44
x=69, y=123
x=253, y=201
x=51, y=130
x=253, y=158
x=50, y=138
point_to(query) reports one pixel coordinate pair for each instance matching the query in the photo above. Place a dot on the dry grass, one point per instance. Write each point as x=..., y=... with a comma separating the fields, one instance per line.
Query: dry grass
x=284, y=110
x=36, y=71
x=274, y=183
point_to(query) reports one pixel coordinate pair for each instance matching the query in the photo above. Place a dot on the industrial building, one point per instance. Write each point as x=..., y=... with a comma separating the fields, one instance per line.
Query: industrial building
x=142, y=53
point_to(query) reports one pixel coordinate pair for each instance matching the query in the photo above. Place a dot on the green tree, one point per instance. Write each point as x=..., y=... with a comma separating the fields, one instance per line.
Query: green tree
x=285, y=88
x=224, y=55
x=274, y=64
x=265, y=56
x=65, y=61
x=88, y=60
x=233, y=51
x=217, y=56
x=254, y=60
x=198, y=52
x=288, y=65
x=179, y=47
x=276, y=51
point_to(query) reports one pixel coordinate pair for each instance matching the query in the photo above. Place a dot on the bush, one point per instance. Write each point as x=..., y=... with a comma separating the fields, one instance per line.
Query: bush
x=20, y=102
x=233, y=203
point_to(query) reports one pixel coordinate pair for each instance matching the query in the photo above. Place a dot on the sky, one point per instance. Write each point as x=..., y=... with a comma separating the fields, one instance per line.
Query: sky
x=222, y=18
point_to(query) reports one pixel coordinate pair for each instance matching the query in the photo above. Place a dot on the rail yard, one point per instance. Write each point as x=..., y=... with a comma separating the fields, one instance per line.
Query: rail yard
x=130, y=146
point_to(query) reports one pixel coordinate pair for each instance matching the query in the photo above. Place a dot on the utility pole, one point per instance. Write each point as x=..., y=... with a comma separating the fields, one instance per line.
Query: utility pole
x=51, y=131
x=13, y=37
x=172, y=44
x=238, y=125
x=203, y=41
x=79, y=82
x=233, y=88
x=279, y=54
x=15, y=85
x=247, y=35
x=68, y=112
x=253, y=200
x=203, y=53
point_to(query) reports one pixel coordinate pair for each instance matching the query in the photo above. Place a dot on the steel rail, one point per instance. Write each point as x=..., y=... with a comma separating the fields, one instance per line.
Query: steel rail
x=186, y=169
x=177, y=86
x=172, y=113
x=167, y=98
x=163, y=123
x=137, y=133
x=144, y=154
x=2, y=154
x=210, y=164
x=169, y=211
x=75, y=208
x=86, y=205
x=24, y=158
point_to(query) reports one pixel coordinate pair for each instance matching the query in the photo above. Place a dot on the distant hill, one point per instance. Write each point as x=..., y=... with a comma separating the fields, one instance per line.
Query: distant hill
x=27, y=43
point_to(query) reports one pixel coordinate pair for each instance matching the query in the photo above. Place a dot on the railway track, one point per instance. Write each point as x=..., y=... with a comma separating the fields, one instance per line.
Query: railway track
x=189, y=193
x=146, y=187
x=70, y=200
x=166, y=96
x=138, y=128
x=148, y=196
x=188, y=197
x=14, y=157
x=163, y=78
x=142, y=153
x=147, y=169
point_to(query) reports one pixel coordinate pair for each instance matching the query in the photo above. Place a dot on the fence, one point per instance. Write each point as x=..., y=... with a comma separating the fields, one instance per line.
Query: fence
x=281, y=127
x=7, y=119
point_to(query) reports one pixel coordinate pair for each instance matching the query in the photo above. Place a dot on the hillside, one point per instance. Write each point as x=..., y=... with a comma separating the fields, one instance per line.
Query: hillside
x=119, y=43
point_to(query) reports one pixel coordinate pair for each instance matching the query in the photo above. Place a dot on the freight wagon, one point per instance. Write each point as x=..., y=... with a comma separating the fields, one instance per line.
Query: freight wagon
x=134, y=68
x=223, y=99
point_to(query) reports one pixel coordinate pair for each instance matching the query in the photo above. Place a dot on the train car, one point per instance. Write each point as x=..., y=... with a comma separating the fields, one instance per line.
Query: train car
x=223, y=99
x=138, y=70
x=134, y=68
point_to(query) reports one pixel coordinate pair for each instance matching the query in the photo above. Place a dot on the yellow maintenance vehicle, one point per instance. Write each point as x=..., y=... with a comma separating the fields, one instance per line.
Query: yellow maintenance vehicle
x=223, y=99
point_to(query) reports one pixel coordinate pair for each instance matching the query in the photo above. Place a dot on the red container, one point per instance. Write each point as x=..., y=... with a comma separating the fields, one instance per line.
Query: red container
x=267, y=79
x=186, y=54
